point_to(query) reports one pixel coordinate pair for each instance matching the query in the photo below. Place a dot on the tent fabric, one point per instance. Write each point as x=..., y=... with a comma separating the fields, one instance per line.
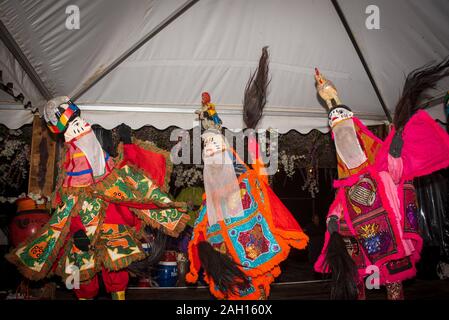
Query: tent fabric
x=12, y=113
x=215, y=46
x=412, y=33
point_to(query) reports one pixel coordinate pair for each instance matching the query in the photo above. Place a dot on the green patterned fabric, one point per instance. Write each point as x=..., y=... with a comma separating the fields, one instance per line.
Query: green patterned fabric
x=91, y=213
x=120, y=246
x=112, y=246
x=39, y=253
x=132, y=185
x=168, y=218
x=74, y=260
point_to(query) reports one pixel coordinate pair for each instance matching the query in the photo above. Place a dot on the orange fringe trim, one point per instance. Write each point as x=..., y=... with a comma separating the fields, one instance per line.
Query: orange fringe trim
x=265, y=274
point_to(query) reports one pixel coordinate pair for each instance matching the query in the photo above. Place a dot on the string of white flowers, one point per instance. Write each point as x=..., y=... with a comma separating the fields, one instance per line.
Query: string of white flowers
x=289, y=162
x=311, y=183
x=14, y=168
x=39, y=199
x=188, y=177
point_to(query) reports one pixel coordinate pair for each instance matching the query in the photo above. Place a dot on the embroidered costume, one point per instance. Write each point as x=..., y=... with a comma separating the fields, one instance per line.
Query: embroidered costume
x=258, y=240
x=100, y=205
x=243, y=231
x=375, y=208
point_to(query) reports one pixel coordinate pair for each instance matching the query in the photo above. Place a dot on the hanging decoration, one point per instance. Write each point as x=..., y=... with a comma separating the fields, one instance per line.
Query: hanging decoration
x=312, y=180
x=17, y=96
x=187, y=177
x=14, y=160
x=289, y=162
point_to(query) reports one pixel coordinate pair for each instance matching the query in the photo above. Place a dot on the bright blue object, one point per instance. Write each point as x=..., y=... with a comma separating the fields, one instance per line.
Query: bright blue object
x=167, y=274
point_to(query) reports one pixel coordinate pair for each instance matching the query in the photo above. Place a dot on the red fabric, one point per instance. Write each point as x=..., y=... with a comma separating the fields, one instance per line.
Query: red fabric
x=118, y=214
x=151, y=162
x=139, y=205
x=114, y=281
x=88, y=290
x=366, y=131
x=282, y=217
x=75, y=225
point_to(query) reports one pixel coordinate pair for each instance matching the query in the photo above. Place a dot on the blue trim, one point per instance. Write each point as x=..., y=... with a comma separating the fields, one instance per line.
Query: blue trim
x=79, y=173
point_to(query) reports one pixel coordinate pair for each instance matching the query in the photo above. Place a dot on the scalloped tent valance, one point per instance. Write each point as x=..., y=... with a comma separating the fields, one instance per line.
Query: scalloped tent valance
x=213, y=46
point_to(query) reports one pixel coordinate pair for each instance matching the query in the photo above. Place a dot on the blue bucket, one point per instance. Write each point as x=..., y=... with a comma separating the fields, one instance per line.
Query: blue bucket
x=167, y=274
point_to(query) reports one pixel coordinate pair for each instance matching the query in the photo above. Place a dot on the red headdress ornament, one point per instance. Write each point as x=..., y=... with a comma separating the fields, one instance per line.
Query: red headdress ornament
x=205, y=97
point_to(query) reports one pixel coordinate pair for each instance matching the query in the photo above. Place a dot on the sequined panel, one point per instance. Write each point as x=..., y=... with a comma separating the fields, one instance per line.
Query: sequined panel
x=354, y=250
x=411, y=208
x=253, y=242
x=370, y=220
x=397, y=266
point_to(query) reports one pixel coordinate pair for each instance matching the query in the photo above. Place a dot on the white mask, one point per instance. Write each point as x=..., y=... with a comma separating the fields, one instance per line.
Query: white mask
x=84, y=138
x=76, y=127
x=339, y=114
x=220, y=182
x=347, y=144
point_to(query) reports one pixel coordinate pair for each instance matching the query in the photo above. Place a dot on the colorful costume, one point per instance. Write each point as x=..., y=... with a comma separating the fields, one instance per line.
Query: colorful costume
x=375, y=208
x=208, y=113
x=258, y=239
x=243, y=231
x=100, y=205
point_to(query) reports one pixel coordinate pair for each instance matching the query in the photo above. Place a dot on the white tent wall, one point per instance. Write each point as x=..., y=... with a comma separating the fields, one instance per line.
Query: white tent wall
x=65, y=59
x=412, y=33
x=214, y=46
x=12, y=113
x=437, y=112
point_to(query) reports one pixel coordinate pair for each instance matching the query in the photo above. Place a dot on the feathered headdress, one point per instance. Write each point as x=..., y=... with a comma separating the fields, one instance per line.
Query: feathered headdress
x=418, y=81
x=255, y=96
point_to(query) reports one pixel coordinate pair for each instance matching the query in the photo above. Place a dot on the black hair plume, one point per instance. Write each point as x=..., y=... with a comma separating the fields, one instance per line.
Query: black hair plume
x=225, y=273
x=343, y=269
x=417, y=82
x=255, y=96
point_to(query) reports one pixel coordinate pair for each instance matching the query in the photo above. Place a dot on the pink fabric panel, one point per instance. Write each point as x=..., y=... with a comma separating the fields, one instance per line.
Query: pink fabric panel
x=425, y=150
x=391, y=191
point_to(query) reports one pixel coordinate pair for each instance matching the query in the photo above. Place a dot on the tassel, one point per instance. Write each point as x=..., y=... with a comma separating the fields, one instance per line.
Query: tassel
x=255, y=96
x=343, y=269
x=225, y=273
x=143, y=268
x=413, y=93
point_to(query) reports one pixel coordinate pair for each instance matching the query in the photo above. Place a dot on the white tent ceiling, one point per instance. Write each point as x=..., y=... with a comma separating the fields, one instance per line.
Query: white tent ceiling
x=214, y=46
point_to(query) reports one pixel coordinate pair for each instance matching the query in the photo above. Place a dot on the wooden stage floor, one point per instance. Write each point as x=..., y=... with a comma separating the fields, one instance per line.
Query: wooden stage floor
x=303, y=290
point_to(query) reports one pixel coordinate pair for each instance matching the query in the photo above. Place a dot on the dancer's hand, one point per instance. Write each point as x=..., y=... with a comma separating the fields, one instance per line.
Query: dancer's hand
x=81, y=240
x=332, y=224
x=396, y=145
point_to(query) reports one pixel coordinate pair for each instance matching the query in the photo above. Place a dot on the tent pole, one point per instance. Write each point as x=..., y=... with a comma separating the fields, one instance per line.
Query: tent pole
x=18, y=54
x=161, y=26
x=362, y=58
